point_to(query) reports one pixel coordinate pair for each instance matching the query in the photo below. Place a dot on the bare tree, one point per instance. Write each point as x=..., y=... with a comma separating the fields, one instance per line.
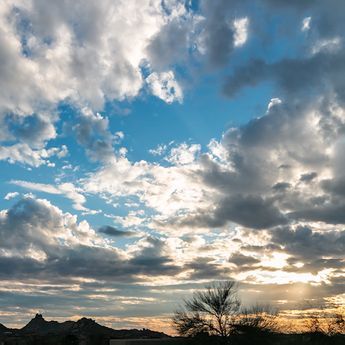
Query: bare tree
x=314, y=324
x=255, y=319
x=334, y=322
x=327, y=322
x=211, y=311
x=336, y=325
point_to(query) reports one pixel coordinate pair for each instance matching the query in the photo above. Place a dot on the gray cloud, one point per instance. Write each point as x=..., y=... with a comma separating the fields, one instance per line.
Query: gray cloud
x=305, y=243
x=314, y=266
x=247, y=210
x=46, y=243
x=206, y=268
x=92, y=132
x=297, y=77
x=331, y=213
x=308, y=177
x=170, y=45
x=218, y=35
x=111, y=231
x=242, y=260
x=281, y=186
x=250, y=211
x=316, y=70
x=33, y=130
x=335, y=186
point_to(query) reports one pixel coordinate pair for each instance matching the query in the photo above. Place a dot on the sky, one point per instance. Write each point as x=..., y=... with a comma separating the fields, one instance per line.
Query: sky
x=150, y=147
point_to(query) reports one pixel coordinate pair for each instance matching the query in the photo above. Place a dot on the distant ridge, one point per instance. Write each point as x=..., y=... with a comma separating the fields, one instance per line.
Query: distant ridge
x=84, y=327
x=40, y=326
x=3, y=329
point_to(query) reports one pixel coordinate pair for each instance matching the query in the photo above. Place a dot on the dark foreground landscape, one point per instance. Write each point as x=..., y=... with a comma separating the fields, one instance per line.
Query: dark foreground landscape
x=84, y=331
x=87, y=332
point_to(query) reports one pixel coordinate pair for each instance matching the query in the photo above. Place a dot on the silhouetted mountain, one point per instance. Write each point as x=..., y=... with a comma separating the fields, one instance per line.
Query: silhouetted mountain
x=38, y=325
x=88, y=326
x=84, y=331
x=83, y=327
x=3, y=329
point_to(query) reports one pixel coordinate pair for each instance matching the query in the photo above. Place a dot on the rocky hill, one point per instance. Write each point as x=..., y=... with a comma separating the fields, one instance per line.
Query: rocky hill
x=3, y=329
x=39, y=325
x=84, y=331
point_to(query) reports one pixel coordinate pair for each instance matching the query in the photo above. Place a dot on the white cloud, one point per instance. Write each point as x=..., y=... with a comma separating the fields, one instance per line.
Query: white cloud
x=52, y=227
x=66, y=189
x=306, y=24
x=164, y=86
x=119, y=136
x=327, y=45
x=72, y=193
x=23, y=153
x=241, y=26
x=273, y=102
x=39, y=240
x=270, y=167
x=159, y=150
x=11, y=195
x=45, y=188
x=167, y=190
x=184, y=154
x=63, y=152
x=217, y=151
x=85, y=62
x=81, y=51
x=92, y=131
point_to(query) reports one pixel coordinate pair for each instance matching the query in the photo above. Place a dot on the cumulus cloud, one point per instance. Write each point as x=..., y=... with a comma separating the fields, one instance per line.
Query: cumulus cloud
x=314, y=71
x=24, y=154
x=184, y=154
x=241, y=260
x=33, y=130
x=303, y=242
x=217, y=36
x=264, y=174
x=55, y=43
x=49, y=225
x=170, y=44
x=11, y=195
x=164, y=86
x=272, y=187
x=92, y=132
x=241, y=31
x=249, y=211
x=39, y=240
x=54, y=52
x=306, y=250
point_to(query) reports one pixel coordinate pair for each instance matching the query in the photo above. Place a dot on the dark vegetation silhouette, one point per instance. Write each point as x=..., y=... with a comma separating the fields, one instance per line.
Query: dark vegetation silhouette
x=210, y=312
x=216, y=316
x=326, y=328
